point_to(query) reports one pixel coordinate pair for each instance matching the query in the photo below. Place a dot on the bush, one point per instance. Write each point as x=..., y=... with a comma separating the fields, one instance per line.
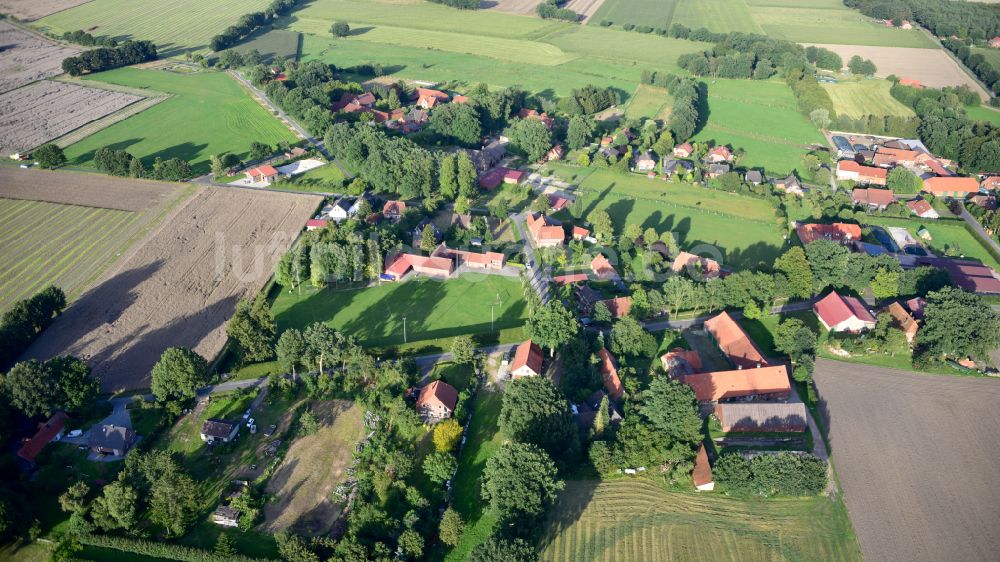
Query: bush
x=628, y=27
x=644, y=29
x=606, y=23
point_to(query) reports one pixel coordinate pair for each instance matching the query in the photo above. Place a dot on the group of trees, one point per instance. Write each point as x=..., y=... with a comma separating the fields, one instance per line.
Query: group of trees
x=21, y=324
x=861, y=66
x=389, y=164
x=529, y=138
x=549, y=9
x=956, y=325
x=81, y=37
x=41, y=388
x=976, y=62
x=460, y=4
x=824, y=58
x=248, y=23
x=687, y=94
x=589, y=100
x=306, y=93
x=743, y=55
x=119, y=162
x=106, y=58
x=252, y=330
x=766, y=475
x=966, y=20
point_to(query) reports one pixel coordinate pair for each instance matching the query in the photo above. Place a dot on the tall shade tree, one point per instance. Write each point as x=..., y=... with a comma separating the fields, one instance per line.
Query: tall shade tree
x=535, y=411
x=628, y=337
x=463, y=349
x=957, y=324
x=252, y=329
x=32, y=388
x=579, y=131
x=529, y=138
x=795, y=266
x=178, y=374
x=552, y=325
x=447, y=179
x=466, y=175
x=670, y=407
x=828, y=261
x=519, y=483
x=291, y=349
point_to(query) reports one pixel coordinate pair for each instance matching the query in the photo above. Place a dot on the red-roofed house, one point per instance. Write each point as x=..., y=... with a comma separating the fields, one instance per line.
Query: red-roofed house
x=849, y=170
x=570, y=279
x=922, y=209
x=491, y=179
x=609, y=374
x=526, y=113
x=684, y=150
x=887, y=157
x=994, y=43
x=843, y=314
x=719, y=154
x=49, y=431
x=734, y=342
x=938, y=168
x=681, y=362
x=400, y=265
x=602, y=268
x=708, y=268
x=580, y=233
x=543, y=233
x=838, y=232
x=393, y=210
x=459, y=99
x=355, y=103
x=990, y=183
x=437, y=401
x=618, y=306
x=262, y=174
x=903, y=320
x=427, y=98
x=911, y=82
x=527, y=361
x=313, y=224
x=953, y=186
x=473, y=260
x=555, y=153
x=558, y=203
x=873, y=198
x=513, y=176
x=702, y=474
x=770, y=381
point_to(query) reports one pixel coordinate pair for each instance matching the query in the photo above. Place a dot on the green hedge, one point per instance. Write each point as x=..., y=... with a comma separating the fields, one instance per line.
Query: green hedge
x=162, y=550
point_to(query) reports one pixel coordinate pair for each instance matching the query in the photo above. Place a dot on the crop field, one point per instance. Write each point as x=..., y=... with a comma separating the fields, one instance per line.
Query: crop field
x=27, y=10
x=742, y=228
x=274, y=44
x=207, y=113
x=39, y=112
x=916, y=456
x=649, y=101
x=637, y=521
x=654, y=13
x=433, y=309
x=520, y=7
x=27, y=57
x=179, y=287
x=762, y=118
x=314, y=465
x=948, y=238
x=867, y=97
x=65, y=231
x=721, y=16
x=933, y=67
x=828, y=21
x=176, y=27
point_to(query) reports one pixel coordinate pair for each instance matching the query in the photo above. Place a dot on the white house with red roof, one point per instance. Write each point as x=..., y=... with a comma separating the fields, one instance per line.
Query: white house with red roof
x=437, y=401
x=527, y=361
x=684, y=150
x=265, y=174
x=843, y=314
x=718, y=155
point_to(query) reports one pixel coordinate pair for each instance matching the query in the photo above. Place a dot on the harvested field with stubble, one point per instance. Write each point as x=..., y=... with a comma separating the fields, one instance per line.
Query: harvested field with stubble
x=67, y=229
x=933, y=67
x=303, y=485
x=179, y=287
x=520, y=7
x=26, y=57
x=37, y=113
x=28, y=10
x=916, y=456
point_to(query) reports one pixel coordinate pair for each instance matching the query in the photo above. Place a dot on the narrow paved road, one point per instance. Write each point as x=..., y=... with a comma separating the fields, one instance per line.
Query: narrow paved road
x=540, y=279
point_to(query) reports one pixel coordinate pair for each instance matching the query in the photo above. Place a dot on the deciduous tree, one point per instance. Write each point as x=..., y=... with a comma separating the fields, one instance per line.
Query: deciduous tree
x=178, y=374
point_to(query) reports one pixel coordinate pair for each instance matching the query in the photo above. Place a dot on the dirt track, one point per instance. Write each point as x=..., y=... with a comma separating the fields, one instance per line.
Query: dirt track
x=26, y=57
x=37, y=113
x=180, y=286
x=933, y=67
x=87, y=190
x=917, y=457
x=30, y=10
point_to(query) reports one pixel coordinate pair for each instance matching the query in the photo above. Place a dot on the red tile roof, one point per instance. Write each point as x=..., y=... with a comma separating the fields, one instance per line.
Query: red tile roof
x=869, y=174
x=602, y=267
x=683, y=150
x=837, y=231
x=741, y=382
x=834, y=309
x=263, y=171
x=528, y=354
x=579, y=232
x=316, y=223
x=558, y=203
x=734, y=342
x=394, y=208
x=513, y=176
x=689, y=356
x=913, y=82
x=876, y=197
x=609, y=374
x=702, y=473
x=570, y=279
x=903, y=320
x=438, y=393
x=953, y=184
x=920, y=207
x=619, y=306
x=46, y=433
x=938, y=169
x=684, y=260
x=542, y=231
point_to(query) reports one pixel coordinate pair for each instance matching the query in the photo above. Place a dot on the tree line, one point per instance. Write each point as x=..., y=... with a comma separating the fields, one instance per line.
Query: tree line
x=248, y=23
x=966, y=20
x=977, y=63
x=81, y=37
x=119, y=162
x=106, y=58
x=25, y=320
x=460, y=4
x=550, y=10
x=767, y=475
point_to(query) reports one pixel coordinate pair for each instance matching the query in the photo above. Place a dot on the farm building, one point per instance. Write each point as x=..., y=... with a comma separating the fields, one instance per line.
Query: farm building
x=734, y=342
x=354, y=103
x=262, y=174
x=437, y=401
x=602, y=268
x=527, y=360
x=873, y=198
x=49, y=431
x=226, y=516
x=951, y=186
x=903, y=320
x=754, y=177
x=543, y=232
x=702, y=474
x=969, y=275
x=570, y=279
x=766, y=381
x=113, y=440
x=681, y=362
x=618, y=306
x=609, y=374
x=707, y=268
x=427, y=98
x=838, y=232
x=716, y=170
x=843, y=314
x=761, y=416
x=430, y=266
x=888, y=157
x=580, y=233
x=849, y=170
x=219, y=430
x=313, y=224
x=922, y=209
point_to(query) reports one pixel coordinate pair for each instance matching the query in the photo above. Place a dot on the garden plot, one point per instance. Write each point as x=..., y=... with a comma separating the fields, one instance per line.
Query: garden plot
x=29, y=10
x=180, y=286
x=26, y=57
x=37, y=113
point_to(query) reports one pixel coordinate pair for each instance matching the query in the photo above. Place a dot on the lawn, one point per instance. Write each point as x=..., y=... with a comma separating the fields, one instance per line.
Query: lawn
x=949, y=237
x=721, y=16
x=827, y=21
x=207, y=113
x=983, y=113
x=741, y=228
x=273, y=44
x=654, y=13
x=649, y=101
x=483, y=441
x=866, y=97
x=176, y=27
x=635, y=520
x=459, y=376
x=432, y=309
x=761, y=117
x=325, y=179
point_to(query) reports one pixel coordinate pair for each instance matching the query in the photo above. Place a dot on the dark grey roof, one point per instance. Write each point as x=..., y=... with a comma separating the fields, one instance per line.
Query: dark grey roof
x=671, y=164
x=112, y=437
x=754, y=176
x=217, y=428
x=718, y=168
x=763, y=416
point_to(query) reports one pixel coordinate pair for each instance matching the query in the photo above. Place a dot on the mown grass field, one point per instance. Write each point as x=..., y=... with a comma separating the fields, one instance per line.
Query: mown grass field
x=654, y=13
x=721, y=16
x=827, y=21
x=984, y=114
x=176, y=27
x=762, y=118
x=433, y=309
x=743, y=229
x=273, y=44
x=637, y=521
x=866, y=97
x=649, y=101
x=207, y=113
x=71, y=255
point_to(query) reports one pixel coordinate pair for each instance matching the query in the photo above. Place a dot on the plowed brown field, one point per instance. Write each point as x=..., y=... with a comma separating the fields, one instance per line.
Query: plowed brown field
x=26, y=57
x=917, y=458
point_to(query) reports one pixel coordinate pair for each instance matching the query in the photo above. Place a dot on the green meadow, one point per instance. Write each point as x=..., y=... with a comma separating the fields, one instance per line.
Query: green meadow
x=828, y=21
x=207, y=113
x=865, y=97
x=721, y=16
x=653, y=13
x=649, y=101
x=983, y=113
